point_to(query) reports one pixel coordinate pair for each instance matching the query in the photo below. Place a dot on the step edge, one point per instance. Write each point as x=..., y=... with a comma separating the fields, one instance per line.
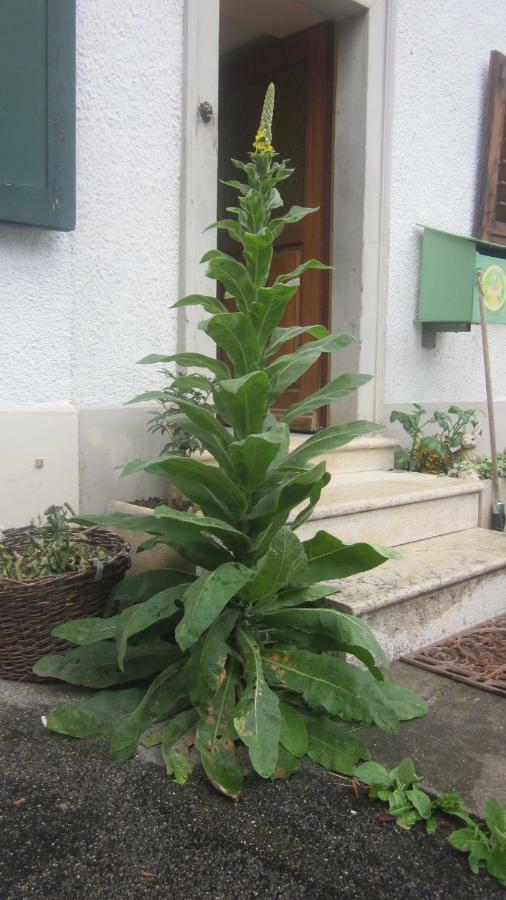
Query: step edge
x=429, y=587
x=346, y=508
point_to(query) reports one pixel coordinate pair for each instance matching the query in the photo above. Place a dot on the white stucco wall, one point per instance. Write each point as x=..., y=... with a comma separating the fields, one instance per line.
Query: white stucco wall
x=442, y=54
x=77, y=310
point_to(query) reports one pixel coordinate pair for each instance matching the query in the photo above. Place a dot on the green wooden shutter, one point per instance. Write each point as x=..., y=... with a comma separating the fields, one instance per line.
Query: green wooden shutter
x=37, y=113
x=491, y=214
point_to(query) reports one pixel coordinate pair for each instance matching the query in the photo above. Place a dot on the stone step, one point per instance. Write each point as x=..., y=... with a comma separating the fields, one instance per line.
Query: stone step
x=441, y=585
x=365, y=454
x=394, y=508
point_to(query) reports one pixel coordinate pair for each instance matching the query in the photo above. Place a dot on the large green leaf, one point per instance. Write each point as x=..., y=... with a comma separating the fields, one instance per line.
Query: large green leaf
x=349, y=633
x=146, y=397
x=332, y=684
x=284, y=561
x=288, y=368
x=210, y=431
x=141, y=616
x=269, y=308
x=257, y=719
x=210, y=304
x=192, y=360
x=299, y=270
x=233, y=276
x=258, y=254
x=95, y=629
x=334, y=746
x=192, y=536
x=294, y=214
x=205, y=599
x=294, y=734
x=281, y=336
x=176, y=738
x=96, y=666
x=215, y=740
x=333, y=390
x=253, y=206
x=253, y=456
x=234, y=334
x=163, y=695
x=277, y=503
x=184, y=529
x=204, y=485
x=97, y=716
x=294, y=597
x=139, y=587
x=329, y=439
x=407, y=705
x=243, y=402
x=328, y=558
x=206, y=666
x=230, y=225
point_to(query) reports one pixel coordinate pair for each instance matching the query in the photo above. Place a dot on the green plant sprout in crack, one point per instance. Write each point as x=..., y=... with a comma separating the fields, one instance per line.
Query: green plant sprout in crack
x=249, y=652
x=409, y=804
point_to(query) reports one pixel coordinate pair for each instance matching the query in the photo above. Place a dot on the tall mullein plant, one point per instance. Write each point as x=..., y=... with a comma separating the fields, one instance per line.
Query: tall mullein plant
x=249, y=652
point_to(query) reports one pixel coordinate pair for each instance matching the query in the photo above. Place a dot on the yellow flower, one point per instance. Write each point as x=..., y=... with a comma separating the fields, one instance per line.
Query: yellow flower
x=261, y=143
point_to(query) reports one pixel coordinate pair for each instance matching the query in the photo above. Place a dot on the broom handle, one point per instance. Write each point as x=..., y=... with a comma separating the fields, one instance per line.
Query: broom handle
x=490, y=394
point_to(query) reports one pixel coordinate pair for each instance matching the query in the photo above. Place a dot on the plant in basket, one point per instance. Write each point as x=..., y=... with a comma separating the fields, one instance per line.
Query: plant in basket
x=250, y=652
x=50, y=572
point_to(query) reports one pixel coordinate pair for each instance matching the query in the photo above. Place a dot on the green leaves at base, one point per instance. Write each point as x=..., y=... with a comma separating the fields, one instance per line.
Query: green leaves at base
x=96, y=666
x=177, y=738
x=163, y=696
x=294, y=735
x=206, y=667
x=257, y=718
x=215, y=740
x=333, y=746
x=96, y=716
x=349, y=633
x=332, y=684
x=205, y=599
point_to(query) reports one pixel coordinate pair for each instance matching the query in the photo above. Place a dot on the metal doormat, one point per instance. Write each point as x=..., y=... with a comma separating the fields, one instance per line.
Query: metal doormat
x=476, y=656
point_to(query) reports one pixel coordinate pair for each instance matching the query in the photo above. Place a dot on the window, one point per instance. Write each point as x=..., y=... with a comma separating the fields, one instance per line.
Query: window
x=37, y=112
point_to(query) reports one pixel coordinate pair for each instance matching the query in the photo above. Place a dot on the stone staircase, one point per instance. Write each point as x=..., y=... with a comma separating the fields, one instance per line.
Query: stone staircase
x=452, y=574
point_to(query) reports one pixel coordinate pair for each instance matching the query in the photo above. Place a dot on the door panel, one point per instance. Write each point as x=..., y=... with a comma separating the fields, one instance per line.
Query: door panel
x=302, y=68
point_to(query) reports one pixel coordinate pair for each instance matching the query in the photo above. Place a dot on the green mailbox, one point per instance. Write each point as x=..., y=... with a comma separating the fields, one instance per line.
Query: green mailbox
x=449, y=299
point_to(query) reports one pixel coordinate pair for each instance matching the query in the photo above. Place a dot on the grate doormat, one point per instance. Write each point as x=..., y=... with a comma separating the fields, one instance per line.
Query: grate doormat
x=476, y=656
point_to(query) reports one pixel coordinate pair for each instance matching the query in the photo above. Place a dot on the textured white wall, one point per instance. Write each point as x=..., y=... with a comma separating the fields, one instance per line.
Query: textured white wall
x=77, y=310
x=441, y=70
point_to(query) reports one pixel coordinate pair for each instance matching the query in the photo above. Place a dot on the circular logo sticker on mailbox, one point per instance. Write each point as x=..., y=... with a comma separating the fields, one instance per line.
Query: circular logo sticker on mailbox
x=494, y=288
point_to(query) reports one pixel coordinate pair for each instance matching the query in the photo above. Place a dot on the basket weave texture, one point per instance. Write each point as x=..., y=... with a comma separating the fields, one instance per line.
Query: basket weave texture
x=29, y=610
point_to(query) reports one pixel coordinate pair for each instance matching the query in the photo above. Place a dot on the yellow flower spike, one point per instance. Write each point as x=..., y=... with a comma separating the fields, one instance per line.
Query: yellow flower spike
x=263, y=138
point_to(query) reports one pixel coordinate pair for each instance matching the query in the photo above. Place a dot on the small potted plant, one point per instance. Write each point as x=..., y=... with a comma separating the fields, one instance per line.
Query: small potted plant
x=49, y=572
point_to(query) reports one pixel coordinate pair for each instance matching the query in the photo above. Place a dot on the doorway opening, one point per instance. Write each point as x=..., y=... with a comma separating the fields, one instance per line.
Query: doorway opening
x=301, y=61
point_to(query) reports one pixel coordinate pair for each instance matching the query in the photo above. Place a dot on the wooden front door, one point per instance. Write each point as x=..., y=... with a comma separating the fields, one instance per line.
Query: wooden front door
x=302, y=68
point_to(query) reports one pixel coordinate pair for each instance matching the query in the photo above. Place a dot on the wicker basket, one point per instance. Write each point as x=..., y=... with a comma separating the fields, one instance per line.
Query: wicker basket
x=29, y=610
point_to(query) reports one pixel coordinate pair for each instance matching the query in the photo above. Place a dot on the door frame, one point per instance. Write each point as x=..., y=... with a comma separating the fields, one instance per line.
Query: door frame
x=362, y=169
